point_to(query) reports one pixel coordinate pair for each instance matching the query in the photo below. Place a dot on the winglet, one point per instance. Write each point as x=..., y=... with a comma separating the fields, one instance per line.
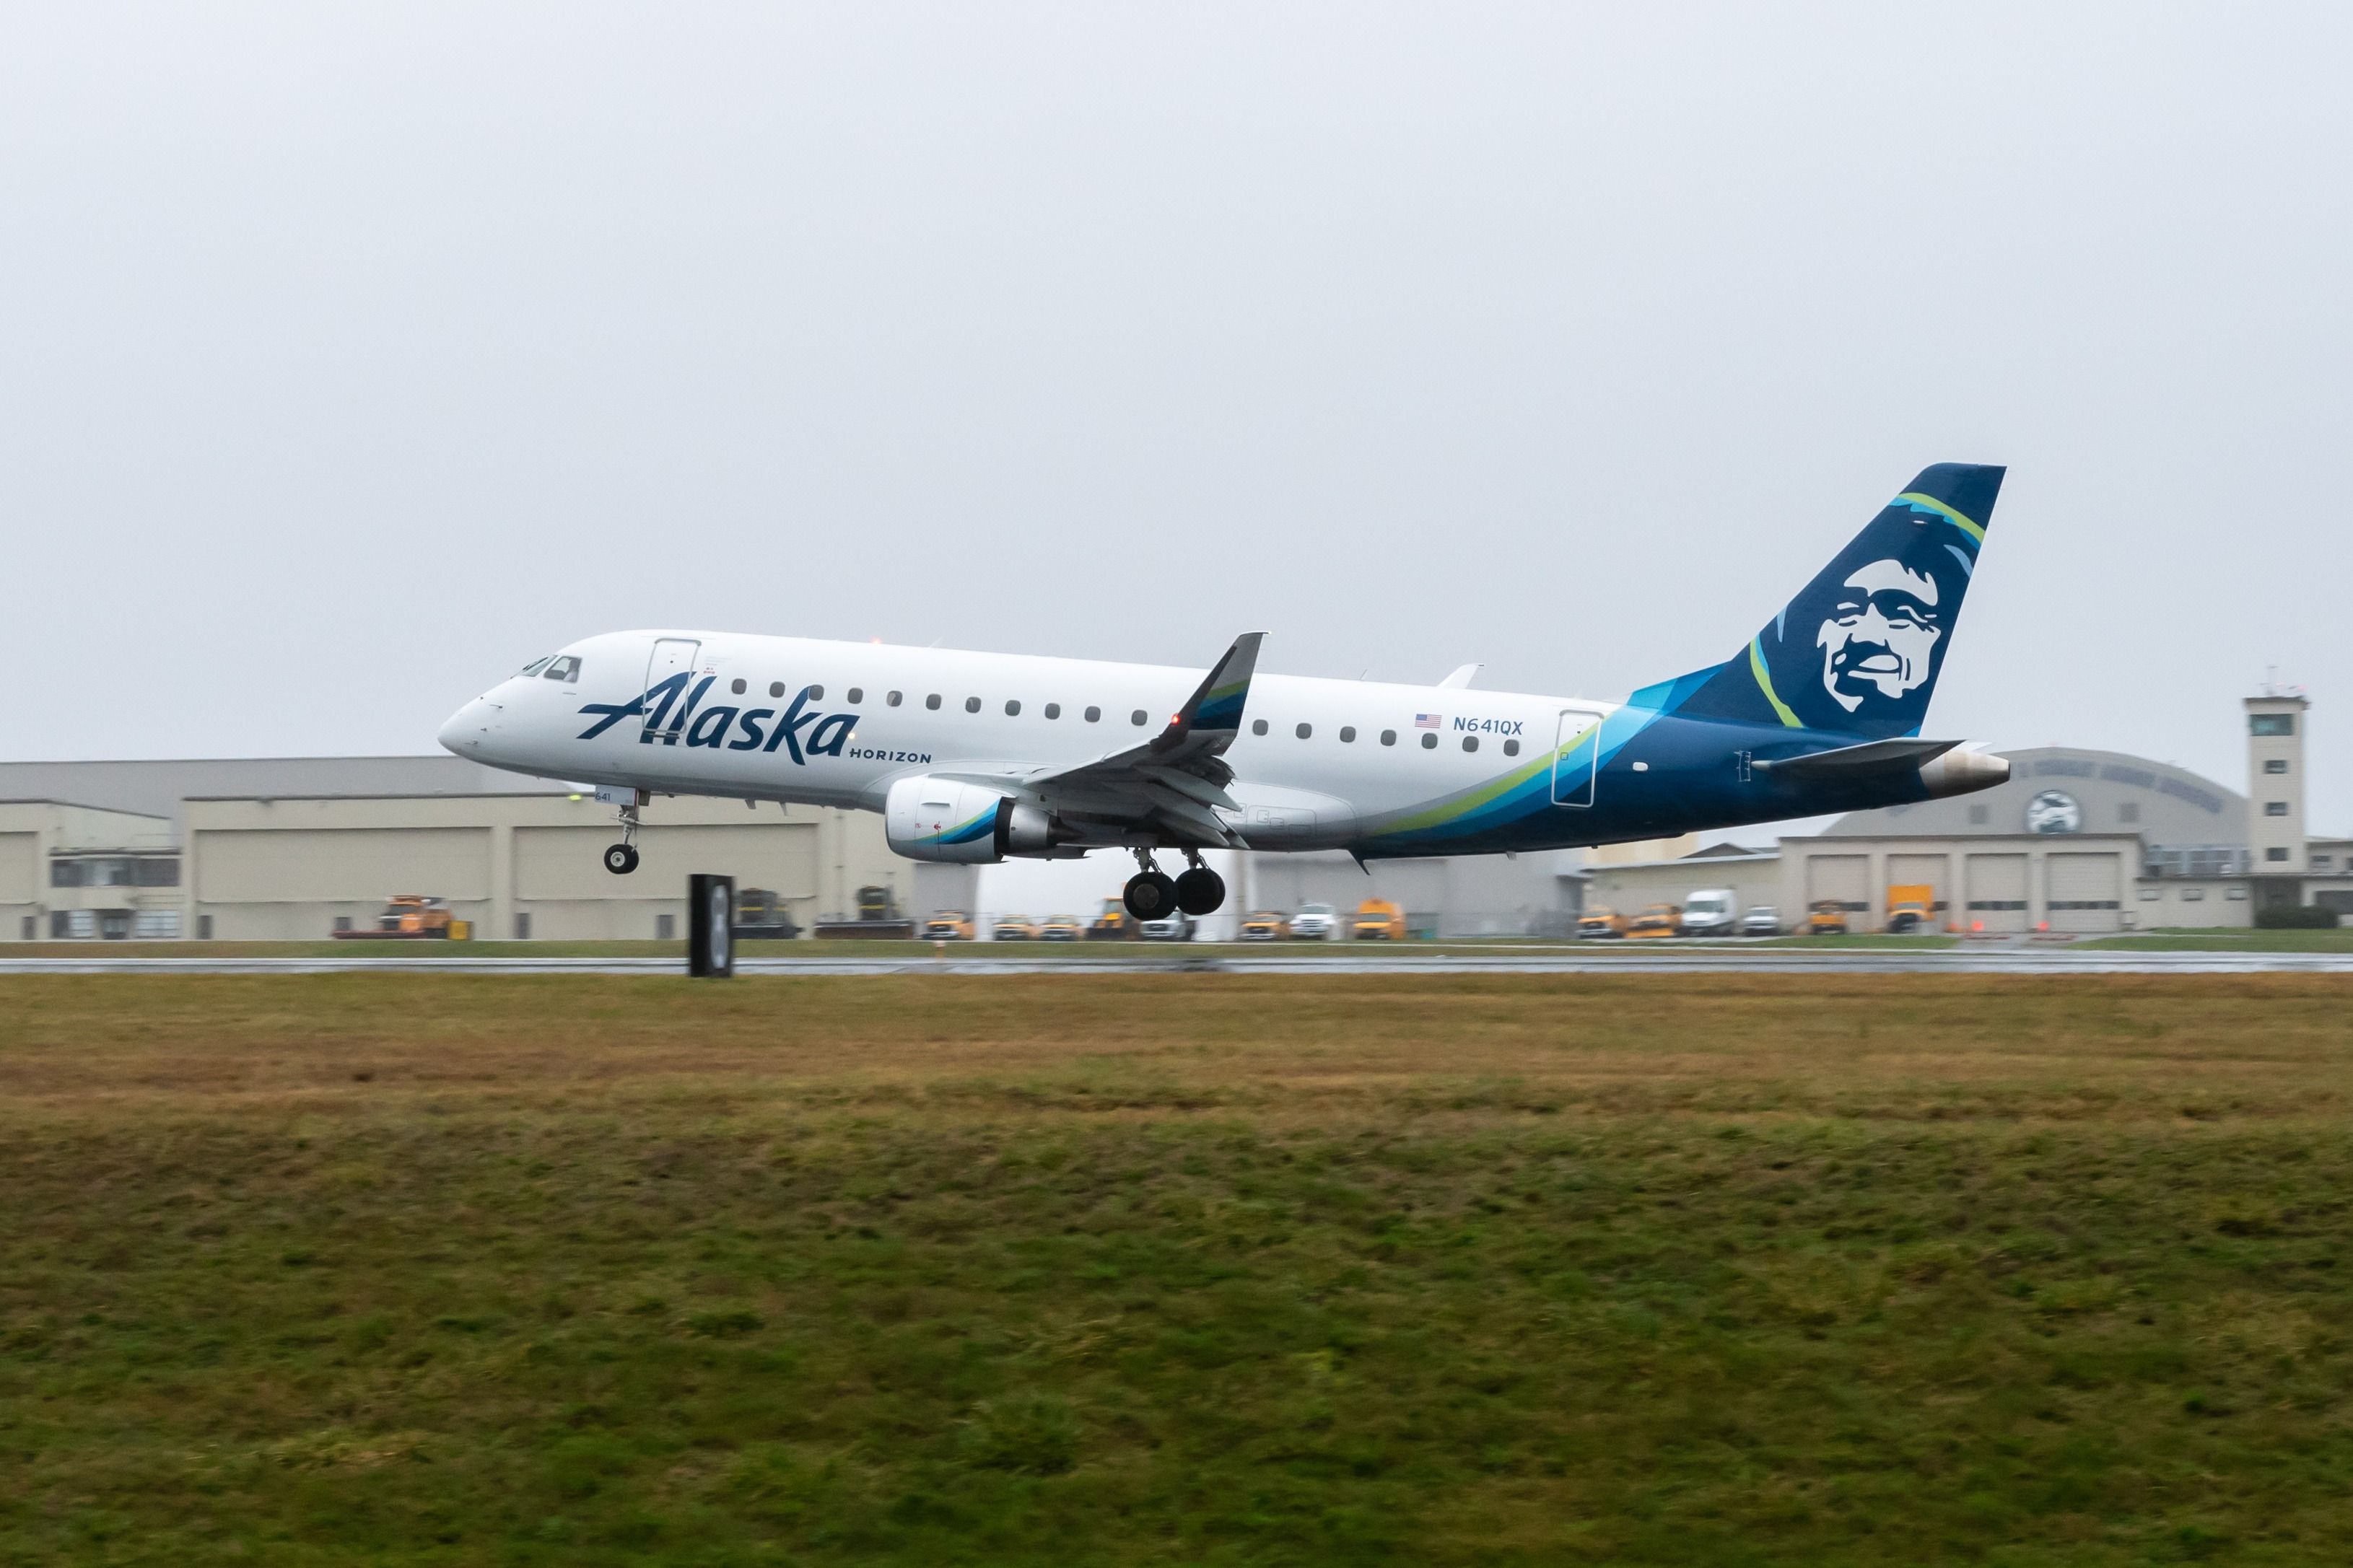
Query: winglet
x=1214, y=711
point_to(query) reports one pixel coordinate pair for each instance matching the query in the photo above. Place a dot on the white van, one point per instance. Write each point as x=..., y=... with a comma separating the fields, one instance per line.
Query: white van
x=1711, y=912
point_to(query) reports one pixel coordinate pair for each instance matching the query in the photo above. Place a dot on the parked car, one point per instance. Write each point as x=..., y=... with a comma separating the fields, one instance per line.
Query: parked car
x=1379, y=919
x=1059, y=928
x=948, y=925
x=1710, y=911
x=1762, y=920
x=1600, y=921
x=1175, y=926
x=1014, y=927
x=1315, y=922
x=1827, y=918
x=1656, y=920
x=1264, y=925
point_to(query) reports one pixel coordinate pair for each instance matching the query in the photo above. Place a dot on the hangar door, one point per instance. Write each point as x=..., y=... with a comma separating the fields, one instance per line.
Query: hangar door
x=1842, y=879
x=2087, y=891
x=20, y=865
x=1997, y=886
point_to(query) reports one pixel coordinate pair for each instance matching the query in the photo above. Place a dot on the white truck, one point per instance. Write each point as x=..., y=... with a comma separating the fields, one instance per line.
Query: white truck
x=1711, y=912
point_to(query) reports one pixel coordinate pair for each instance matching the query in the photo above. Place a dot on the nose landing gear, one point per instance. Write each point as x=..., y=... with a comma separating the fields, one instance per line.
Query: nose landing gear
x=622, y=858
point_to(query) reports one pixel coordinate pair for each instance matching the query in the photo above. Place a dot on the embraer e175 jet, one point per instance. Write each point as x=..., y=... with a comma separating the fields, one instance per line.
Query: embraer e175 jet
x=971, y=757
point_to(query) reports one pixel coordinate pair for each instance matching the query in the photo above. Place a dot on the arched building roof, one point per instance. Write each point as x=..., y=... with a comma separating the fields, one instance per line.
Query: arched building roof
x=2059, y=789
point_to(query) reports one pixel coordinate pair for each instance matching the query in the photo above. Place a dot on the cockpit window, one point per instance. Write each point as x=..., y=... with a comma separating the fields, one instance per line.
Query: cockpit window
x=535, y=665
x=565, y=669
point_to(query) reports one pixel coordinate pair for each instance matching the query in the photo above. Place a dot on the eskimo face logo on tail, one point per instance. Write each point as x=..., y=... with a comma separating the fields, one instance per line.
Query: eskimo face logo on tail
x=1878, y=641
x=801, y=730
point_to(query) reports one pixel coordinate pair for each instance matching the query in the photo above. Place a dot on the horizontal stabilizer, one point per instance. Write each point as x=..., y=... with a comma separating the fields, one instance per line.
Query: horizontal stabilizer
x=1856, y=762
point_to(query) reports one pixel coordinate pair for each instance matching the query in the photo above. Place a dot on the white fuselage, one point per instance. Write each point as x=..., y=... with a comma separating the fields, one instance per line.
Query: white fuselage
x=1314, y=758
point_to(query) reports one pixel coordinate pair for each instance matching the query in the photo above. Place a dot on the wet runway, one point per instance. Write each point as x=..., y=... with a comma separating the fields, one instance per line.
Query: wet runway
x=2002, y=959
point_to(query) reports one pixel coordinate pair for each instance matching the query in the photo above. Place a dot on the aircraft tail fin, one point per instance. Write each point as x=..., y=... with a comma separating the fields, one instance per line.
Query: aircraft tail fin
x=1858, y=651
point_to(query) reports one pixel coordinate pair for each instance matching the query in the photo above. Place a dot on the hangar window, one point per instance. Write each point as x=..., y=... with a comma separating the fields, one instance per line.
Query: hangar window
x=156, y=871
x=857, y=695
x=65, y=873
x=1053, y=710
x=1305, y=731
x=2275, y=853
x=1470, y=742
x=565, y=669
x=2323, y=862
x=737, y=685
x=2192, y=895
x=1258, y=726
x=1094, y=714
x=2275, y=808
x=1013, y=708
x=1347, y=733
x=2148, y=893
x=1510, y=748
x=933, y=702
x=2271, y=724
x=1137, y=717
x=1389, y=737
x=971, y=704
x=2236, y=894
x=891, y=700
x=2275, y=764
x=1429, y=741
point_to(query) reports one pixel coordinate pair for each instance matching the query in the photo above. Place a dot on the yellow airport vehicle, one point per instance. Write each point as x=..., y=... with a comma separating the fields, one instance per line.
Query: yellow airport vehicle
x=1014, y=927
x=1600, y=921
x=1265, y=925
x=1826, y=918
x=1061, y=928
x=1656, y=920
x=1379, y=919
x=1911, y=906
x=1115, y=924
x=948, y=925
x=413, y=917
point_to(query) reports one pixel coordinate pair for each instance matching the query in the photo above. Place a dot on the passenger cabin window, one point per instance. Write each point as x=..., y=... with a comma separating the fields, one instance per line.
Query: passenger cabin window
x=1470, y=742
x=933, y=702
x=1305, y=731
x=857, y=695
x=1510, y=748
x=1137, y=717
x=1258, y=726
x=737, y=686
x=892, y=699
x=1094, y=714
x=1429, y=743
x=1347, y=733
x=565, y=669
x=1013, y=708
x=1053, y=710
x=816, y=693
x=1389, y=737
x=971, y=704
x=775, y=688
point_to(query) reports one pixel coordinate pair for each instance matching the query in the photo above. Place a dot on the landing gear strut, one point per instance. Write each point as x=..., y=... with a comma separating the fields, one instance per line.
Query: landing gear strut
x=622, y=858
x=1150, y=894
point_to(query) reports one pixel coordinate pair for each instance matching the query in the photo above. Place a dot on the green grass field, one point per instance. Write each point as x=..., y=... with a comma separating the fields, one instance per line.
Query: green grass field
x=1175, y=1269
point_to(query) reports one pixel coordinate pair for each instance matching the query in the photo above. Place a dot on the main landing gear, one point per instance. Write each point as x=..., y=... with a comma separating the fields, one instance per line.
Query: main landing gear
x=1151, y=893
x=622, y=858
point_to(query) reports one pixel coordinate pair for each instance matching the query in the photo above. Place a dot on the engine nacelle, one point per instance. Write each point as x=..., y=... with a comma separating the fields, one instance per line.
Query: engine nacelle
x=932, y=818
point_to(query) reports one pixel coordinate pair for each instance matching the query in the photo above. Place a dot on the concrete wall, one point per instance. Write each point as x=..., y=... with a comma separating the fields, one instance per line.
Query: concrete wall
x=285, y=869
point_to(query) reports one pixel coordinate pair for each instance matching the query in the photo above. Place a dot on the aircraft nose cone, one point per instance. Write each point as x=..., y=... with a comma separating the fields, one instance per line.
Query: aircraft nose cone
x=468, y=727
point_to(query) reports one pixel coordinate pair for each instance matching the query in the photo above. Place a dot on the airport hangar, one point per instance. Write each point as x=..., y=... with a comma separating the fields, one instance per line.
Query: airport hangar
x=272, y=849
x=2075, y=841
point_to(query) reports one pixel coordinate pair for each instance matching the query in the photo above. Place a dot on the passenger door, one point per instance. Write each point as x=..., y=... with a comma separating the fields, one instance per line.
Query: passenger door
x=671, y=656
x=1577, y=757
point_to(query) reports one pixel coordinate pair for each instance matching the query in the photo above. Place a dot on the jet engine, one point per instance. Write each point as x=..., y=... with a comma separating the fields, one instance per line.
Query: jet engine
x=932, y=818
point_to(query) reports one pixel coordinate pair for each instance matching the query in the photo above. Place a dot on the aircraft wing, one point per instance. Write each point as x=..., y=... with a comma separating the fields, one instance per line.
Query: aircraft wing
x=1168, y=784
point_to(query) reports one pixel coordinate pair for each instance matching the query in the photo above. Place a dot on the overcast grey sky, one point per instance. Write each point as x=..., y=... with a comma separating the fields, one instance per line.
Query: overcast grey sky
x=354, y=355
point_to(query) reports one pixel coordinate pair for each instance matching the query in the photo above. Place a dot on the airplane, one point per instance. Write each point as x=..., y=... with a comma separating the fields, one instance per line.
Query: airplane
x=974, y=757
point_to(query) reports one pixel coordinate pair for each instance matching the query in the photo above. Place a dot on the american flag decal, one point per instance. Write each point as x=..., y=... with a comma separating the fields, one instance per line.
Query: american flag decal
x=1425, y=720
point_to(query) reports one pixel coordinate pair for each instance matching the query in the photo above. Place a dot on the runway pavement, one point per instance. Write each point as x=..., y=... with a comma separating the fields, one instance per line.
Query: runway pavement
x=1964, y=959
